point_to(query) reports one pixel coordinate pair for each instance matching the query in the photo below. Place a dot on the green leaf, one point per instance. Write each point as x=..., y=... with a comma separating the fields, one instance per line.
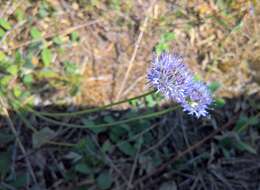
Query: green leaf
x=244, y=122
x=91, y=125
x=57, y=40
x=2, y=32
x=87, y=145
x=219, y=102
x=241, y=124
x=127, y=148
x=12, y=69
x=43, y=10
x=253, y=120
x=41, y=137
x=104, y=180
x=227, y=139
x=245, y=147
x=18, y=57
x=161, y=47
x=150, y=101
x=6, y=138
x=73, y=156
x=116, y=4
x=46, y=56
x=2, y=56
x=83, y=168
x=25, y=95
x=74, y=36
x=197, y=77
x=17, y=91
x=238, y=27
x=232, y=139
x=168, y=36
x=35, y=33
x=134, y=103
x=116, y=133
x=70, y=68
x=5, y=24
x=20, y=181
x=28, y=79
x=163, y=44
x=214, y=86
x=5, y=80
x=107, y=146
x=19, y=14
x=109, y=119
x=47, y=73
x=74, y=89
x=5, y=161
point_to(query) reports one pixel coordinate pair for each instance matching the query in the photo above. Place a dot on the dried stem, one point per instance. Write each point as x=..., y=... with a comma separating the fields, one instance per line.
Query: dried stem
x=19, y=142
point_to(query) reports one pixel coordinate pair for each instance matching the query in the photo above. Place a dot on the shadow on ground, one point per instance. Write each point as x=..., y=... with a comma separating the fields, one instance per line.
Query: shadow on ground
x=172, y=151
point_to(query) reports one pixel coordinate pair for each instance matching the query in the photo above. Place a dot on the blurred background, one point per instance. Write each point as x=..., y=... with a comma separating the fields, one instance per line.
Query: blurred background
x=67, y=55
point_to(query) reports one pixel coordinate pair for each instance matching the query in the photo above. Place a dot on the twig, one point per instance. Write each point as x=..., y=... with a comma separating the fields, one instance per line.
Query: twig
x=222, y=179
x=129, y=184
x=160, y=169
x=137, y=44
x=11, y=125
x=131, y=87
x=194, y=184
x=160, y=142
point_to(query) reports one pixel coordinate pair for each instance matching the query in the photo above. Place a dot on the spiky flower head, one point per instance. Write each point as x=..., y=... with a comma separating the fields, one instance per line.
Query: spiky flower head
x=171, y=77
x=198, y=99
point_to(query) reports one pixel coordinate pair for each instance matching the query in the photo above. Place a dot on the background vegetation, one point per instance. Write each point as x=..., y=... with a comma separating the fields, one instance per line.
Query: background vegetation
x=58, y=57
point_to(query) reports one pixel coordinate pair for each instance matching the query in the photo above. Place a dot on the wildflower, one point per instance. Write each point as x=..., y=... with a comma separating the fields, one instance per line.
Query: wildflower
x=251, y=9
x=170, y=76
x=198, y=99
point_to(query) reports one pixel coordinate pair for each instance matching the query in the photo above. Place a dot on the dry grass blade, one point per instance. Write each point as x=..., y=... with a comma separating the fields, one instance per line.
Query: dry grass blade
x=137, y=44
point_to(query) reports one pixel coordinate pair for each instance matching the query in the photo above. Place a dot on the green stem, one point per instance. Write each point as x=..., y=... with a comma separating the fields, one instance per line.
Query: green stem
x=61, y=144
x=94, y=109
x=146, y=116
x=26, y=122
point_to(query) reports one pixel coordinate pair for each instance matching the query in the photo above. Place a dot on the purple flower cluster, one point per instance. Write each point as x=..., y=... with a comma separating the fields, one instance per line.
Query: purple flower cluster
x=170, y=76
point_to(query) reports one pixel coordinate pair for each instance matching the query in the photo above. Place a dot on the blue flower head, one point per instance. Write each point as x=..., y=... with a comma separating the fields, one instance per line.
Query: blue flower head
x=169, y=75
x=198, y=99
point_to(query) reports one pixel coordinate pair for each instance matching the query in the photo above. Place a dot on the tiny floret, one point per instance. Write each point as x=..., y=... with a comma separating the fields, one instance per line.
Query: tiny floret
x=170, y=76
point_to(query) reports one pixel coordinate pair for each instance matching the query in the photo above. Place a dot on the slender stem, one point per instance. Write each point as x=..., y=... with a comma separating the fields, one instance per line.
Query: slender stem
x=146, y=116
x=26, y=122
x=86, y=111
x=18, y=140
